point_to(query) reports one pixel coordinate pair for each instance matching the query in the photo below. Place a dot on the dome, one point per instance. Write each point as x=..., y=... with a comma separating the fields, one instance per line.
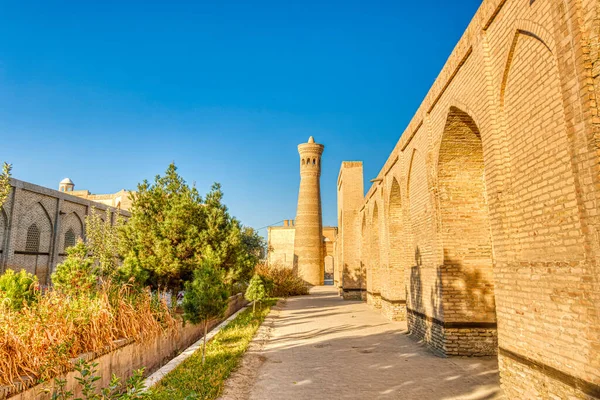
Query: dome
x=311, y=139
x=66, y=181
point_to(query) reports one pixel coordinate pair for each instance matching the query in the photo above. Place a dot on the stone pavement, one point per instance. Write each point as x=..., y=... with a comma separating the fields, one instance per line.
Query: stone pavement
x=322, y=347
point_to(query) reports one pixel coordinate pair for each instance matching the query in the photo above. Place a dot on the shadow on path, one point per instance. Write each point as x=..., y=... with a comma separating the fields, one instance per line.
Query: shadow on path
x=321, y=347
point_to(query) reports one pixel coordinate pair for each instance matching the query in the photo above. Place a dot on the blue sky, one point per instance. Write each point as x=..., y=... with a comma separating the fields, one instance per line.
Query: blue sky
x=108, y=93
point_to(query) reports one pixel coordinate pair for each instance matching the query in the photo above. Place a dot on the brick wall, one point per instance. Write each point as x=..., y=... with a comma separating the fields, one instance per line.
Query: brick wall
x=487, y=207
x=281, y=245
x=35, y=223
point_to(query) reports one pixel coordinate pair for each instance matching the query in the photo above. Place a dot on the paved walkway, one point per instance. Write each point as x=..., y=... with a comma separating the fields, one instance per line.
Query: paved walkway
x=321, y=347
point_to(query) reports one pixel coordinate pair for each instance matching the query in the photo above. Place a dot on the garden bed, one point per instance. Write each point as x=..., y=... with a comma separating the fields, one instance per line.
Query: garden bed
x=122, y=358
x=193, y=380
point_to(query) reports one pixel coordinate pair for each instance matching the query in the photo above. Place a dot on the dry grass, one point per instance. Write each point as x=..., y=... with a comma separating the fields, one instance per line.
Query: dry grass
x=285, y=281
x=40, y=340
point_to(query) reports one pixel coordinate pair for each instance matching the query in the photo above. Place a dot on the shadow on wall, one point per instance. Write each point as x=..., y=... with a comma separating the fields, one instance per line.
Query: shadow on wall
x=475, y=292
x=416, y=285
x=417, y=326
x=467, y=283
x=469, y=297
x=295, y=265
x=436, y=296
x=420, y=324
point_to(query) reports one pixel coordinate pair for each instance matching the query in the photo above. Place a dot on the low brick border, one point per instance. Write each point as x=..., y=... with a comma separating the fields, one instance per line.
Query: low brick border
x=121, y=358
x=174, y=363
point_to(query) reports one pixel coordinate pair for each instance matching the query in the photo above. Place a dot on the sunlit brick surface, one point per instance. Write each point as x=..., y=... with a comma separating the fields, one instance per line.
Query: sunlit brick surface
x=482, y=228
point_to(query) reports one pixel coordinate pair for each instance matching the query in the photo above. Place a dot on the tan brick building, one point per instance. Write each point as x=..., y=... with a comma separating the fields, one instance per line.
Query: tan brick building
x=121, y=199
x=482, y=229
x=37, y=224
x=281, y=246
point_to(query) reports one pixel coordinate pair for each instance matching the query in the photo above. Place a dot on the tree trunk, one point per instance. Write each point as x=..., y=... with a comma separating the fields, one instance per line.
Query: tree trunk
x=204, y=345
x=254, y=307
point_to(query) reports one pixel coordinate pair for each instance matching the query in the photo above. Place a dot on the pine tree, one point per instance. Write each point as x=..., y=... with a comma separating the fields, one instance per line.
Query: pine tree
x=163, y=235
x=205, y=297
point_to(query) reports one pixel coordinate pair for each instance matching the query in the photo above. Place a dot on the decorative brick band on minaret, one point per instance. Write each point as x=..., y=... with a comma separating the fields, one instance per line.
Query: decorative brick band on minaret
x=308, y=242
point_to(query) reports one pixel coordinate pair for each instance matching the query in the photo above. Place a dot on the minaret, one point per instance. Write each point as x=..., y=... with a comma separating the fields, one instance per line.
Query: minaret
x=308, y=241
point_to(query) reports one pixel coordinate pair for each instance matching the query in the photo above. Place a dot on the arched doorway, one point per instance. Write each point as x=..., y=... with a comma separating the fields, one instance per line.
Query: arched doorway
x=328, y=278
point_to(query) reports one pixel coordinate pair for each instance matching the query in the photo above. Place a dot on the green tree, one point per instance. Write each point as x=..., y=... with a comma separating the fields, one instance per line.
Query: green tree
x=205, y=297
x=163, y=235
x=256, y=291
x=77, y=274
x=5, y=187
x=172, y=230
x=102, y=240
x=236, y=248
x=18, y=288
x=253, y=249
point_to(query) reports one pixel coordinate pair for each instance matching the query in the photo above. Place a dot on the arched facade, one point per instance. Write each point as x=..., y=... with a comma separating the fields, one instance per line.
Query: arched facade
x=72, y=224
x=38, y=224
x=34, y=240
x=489, y=201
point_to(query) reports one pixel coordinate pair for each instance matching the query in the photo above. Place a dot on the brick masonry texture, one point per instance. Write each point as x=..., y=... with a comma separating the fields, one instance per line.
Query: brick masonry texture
x=308, y=241
x=482, y=229
x=55, y=215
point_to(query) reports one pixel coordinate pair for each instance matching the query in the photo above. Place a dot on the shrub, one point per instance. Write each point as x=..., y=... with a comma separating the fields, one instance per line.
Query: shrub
x=256, y=291
x=205, y=297
x=130, y=271
x=77, y=274
x=133, y=389
x=284, y=280
x=18, y=288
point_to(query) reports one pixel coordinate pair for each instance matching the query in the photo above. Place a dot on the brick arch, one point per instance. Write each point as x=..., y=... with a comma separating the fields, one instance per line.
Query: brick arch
x=455, y=104
x=538, y=147
x=364, y=251
x=543, y=234
x=374, y=265
x=528, y=29
x=36, y=220
x=38, y=215
x=417, y=208
x=71, y=221
x=467, y=288
x=396, y=290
